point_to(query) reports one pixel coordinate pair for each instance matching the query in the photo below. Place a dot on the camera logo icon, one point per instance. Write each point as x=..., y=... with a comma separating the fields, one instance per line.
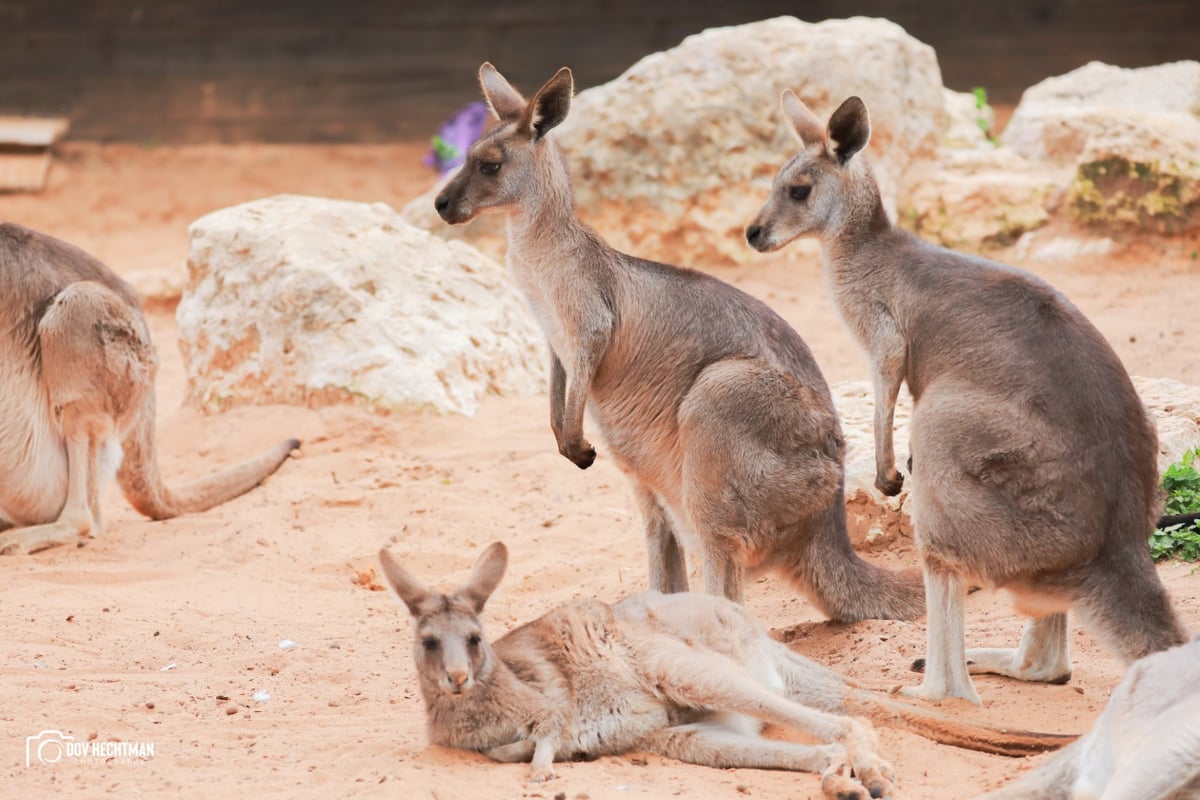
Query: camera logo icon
x=48, y=747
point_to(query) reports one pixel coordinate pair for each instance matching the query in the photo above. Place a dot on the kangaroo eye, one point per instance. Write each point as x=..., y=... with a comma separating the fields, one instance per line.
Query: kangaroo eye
x=473, y=640
x=489, y=167
x=800, y=193
x=430, y=643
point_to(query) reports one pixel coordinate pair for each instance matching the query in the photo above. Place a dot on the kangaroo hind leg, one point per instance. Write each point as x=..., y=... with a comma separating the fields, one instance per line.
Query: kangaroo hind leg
x=1043, y=655
x=762, y=454
x=702, y=679
x=713, y=745
x=668, y=567
x=97, y=369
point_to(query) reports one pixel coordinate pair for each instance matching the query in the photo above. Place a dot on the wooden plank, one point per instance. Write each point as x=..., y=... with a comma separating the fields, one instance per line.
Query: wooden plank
x=31, y=131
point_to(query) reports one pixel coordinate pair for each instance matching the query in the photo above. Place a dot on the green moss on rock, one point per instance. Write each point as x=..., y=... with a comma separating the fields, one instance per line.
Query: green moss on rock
x=1161, y=196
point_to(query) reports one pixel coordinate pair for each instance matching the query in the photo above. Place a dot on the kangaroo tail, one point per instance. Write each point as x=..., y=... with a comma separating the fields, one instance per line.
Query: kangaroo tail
x=846, y=587
x=143, y=486
x=946, y=730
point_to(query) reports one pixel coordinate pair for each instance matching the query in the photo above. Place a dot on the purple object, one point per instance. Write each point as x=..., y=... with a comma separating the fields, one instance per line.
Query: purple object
x=449, y=147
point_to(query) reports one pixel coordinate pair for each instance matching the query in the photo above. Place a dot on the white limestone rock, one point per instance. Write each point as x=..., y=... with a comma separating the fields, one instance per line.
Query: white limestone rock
x=304, y=300
x=1056, y=118
x=982, y=199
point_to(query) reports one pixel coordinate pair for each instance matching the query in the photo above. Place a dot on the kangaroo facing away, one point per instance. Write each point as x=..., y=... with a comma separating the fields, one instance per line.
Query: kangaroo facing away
x=77, y=372
x=708, y=400
x=1033, y=457
x=1144, y=746
x=688, y=676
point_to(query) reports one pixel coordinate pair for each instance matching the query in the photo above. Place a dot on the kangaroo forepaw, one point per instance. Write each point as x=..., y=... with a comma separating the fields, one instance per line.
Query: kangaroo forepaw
x=582, y=455
x=890, y=482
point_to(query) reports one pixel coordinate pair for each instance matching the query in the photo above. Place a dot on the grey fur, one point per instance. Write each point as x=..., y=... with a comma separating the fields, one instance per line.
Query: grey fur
x=709, y=401
x=1034, y=459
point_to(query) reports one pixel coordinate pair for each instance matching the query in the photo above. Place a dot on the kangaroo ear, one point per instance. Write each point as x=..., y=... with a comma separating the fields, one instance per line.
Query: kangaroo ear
x=849, y=129
x=550, y=105
x=506, y=103
x=806, y=123
x=406, y=587
x=485, y=576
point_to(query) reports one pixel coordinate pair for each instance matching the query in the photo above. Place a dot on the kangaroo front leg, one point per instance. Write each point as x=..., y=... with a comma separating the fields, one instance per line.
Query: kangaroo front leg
x=888, y=366
x=945, y=650
x=590, y=349
x=558, y=398
x=566, y=415
x=541, y=768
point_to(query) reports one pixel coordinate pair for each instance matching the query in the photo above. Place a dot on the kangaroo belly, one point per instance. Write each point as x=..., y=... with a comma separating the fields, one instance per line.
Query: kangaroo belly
x=33, y=455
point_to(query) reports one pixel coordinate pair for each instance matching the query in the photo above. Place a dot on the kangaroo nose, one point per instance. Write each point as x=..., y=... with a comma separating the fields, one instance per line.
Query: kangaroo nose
x=753, y=233
x=441, y=204
x=457, y=678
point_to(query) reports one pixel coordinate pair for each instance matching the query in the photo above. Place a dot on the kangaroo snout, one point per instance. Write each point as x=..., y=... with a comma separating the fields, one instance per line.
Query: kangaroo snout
x=458, y=681
x=754, y=236
x=442, y=205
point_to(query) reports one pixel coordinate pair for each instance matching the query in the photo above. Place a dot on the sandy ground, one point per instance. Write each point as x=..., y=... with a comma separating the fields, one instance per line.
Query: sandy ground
x=162, y=632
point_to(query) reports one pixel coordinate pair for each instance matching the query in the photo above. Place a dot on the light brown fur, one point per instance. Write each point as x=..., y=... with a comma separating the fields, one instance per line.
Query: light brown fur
x=689, y=676
x=709, y=401
x=1033, y=459
x=1144, y=746
x=77, y=372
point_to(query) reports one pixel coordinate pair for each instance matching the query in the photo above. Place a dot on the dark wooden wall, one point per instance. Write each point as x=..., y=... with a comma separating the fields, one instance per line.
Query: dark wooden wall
x=370, y=70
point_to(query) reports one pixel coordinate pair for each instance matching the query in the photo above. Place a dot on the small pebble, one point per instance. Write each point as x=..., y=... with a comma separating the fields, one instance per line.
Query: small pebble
x=231, y=710
x=287, y=644
x=150, y=704
x=261, y=696
x=169, y=667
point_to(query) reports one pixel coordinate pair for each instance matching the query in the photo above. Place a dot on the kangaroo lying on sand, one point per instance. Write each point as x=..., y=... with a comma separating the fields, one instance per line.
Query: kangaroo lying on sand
x=77, y=400
x=1034, y=459
x=1144, y=746
x=688, y=676
x=708, y=400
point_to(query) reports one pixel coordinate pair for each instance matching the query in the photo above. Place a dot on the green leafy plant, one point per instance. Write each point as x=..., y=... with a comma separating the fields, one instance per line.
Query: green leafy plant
x=983, y=113
x=1181, y=482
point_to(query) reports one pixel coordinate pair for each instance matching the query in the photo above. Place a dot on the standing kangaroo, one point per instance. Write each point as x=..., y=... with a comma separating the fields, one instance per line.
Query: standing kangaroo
x=708, y=400
x=1144, y=746
x=691, y=677
x=1033, y=458
x=77, y=400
